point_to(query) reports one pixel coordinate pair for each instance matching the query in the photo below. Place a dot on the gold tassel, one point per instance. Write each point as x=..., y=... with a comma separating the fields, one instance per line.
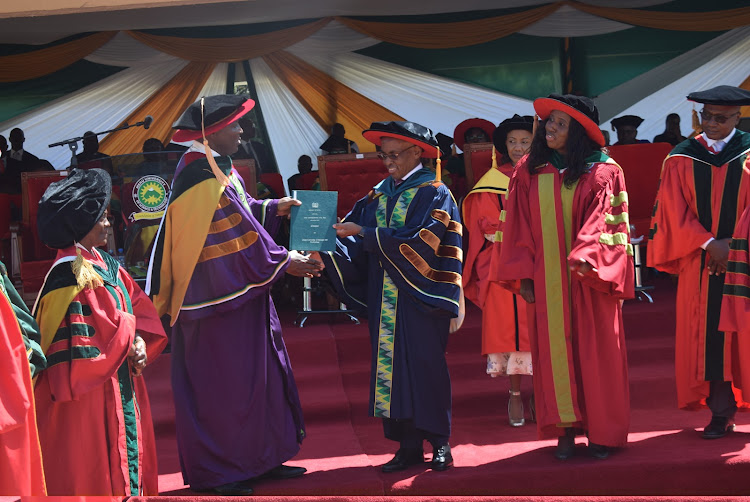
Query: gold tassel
x=453, y=149
x=534, y=126
x=494, y=157
x=220, y=176
x=84, y=272
x=438, y=174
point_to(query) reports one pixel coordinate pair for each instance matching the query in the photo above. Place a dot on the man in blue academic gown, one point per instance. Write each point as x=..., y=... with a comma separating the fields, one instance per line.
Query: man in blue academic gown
x=399, y=257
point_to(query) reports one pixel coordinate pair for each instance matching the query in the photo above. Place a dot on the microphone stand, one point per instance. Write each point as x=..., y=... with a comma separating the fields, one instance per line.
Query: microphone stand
x=73, y=142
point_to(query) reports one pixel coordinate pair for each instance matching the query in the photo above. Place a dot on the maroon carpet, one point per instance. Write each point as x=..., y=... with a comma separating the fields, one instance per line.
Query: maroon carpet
x=665, y=455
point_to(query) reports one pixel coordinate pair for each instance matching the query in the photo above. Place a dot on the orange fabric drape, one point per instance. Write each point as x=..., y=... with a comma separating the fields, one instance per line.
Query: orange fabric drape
x=328, y=100
x=679, y=21
x=745, y=110
x=166, y=105
x=35, y=64
x=449, y=35
x=229, y=50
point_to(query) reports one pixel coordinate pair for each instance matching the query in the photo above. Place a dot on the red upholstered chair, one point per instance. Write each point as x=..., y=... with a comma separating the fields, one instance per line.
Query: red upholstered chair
x=275, y=182
x=246, y=169
x=477, y=161
x=307, y=180
x=351, y=175
x=641, y=164
x=31, y=259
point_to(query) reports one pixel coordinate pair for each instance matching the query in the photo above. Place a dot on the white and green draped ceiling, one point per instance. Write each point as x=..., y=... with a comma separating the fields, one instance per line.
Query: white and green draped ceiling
x=635, y=57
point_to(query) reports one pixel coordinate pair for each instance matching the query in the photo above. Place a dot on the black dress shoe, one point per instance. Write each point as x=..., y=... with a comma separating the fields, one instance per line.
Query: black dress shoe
x=598, y=451
x=442, y=460
x=238, y=488
x=403, y=458
x=566, y=445
x=284, y=472
x=717, y=428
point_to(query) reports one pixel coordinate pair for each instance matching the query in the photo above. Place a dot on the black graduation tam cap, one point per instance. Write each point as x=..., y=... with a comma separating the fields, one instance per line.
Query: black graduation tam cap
x=70, y=208
x=581, y=108
x=724, y=95
x=213, y=112
x=407, y=131
x=516, y=122
x=626, y=120
x=444, y=142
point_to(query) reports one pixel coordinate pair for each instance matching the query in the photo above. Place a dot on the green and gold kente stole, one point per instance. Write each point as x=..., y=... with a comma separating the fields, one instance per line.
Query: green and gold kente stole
x=389, y=301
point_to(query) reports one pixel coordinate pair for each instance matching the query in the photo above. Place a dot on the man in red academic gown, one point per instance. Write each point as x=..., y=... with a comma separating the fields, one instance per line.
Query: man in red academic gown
x=705, y=187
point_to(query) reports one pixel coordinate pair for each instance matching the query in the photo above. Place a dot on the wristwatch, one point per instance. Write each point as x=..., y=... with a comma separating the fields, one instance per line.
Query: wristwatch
x=361, y=232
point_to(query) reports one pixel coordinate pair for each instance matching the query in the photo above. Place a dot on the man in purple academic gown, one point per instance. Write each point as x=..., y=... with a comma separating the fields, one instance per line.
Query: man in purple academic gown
x=399, y=257
x=237, y=411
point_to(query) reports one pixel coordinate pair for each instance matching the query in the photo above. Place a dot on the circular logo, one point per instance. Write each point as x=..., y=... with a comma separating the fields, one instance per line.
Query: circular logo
x=150, y=193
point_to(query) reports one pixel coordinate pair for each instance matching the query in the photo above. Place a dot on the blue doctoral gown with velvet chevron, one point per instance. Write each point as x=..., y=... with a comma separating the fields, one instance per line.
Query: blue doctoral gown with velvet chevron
x=406, y=272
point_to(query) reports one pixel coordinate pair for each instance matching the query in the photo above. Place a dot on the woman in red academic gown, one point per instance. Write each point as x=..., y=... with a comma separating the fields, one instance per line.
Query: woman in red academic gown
x=505, y=338
x=98, y=331
x=566, y=249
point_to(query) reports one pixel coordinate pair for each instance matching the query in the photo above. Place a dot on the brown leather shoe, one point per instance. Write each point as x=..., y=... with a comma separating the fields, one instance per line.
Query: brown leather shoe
x=404, y=458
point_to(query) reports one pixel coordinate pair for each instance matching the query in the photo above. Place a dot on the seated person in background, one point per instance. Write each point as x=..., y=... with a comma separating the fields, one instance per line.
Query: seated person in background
x=304, y=166
x=92, y=154
x=251, y=149
x=469, y=131
x=627, y=130
x=337, y=142
x=672, y=133
x=19, y=161
x=3, y=147
x=154, y=162
x=606, y=137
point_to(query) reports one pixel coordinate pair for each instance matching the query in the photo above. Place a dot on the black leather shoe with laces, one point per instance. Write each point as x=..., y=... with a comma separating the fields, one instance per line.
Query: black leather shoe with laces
x=566, y=445
x=238, y=488
x=284, y=472
x=404, y=457
x=442, y=460
x=718, y=428
x=598, y=451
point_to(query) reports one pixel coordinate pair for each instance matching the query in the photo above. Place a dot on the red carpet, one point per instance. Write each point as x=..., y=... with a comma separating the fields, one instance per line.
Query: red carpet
x=665, y=456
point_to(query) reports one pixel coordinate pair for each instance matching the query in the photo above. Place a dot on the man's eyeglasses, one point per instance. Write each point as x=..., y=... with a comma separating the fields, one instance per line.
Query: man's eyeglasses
x=719, y=119
x=392, y=156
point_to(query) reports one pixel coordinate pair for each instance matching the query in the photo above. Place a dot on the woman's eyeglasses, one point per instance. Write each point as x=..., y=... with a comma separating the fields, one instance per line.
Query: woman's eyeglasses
x=719, y=119
x=392, y=156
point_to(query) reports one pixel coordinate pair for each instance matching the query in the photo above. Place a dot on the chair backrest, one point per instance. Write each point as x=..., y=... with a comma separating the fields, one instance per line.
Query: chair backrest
x=477, y=161
x=246, y=169
x=307, y=180
x=275, y=182
x=351, y=175
x=33, y=186
x=641, y=164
